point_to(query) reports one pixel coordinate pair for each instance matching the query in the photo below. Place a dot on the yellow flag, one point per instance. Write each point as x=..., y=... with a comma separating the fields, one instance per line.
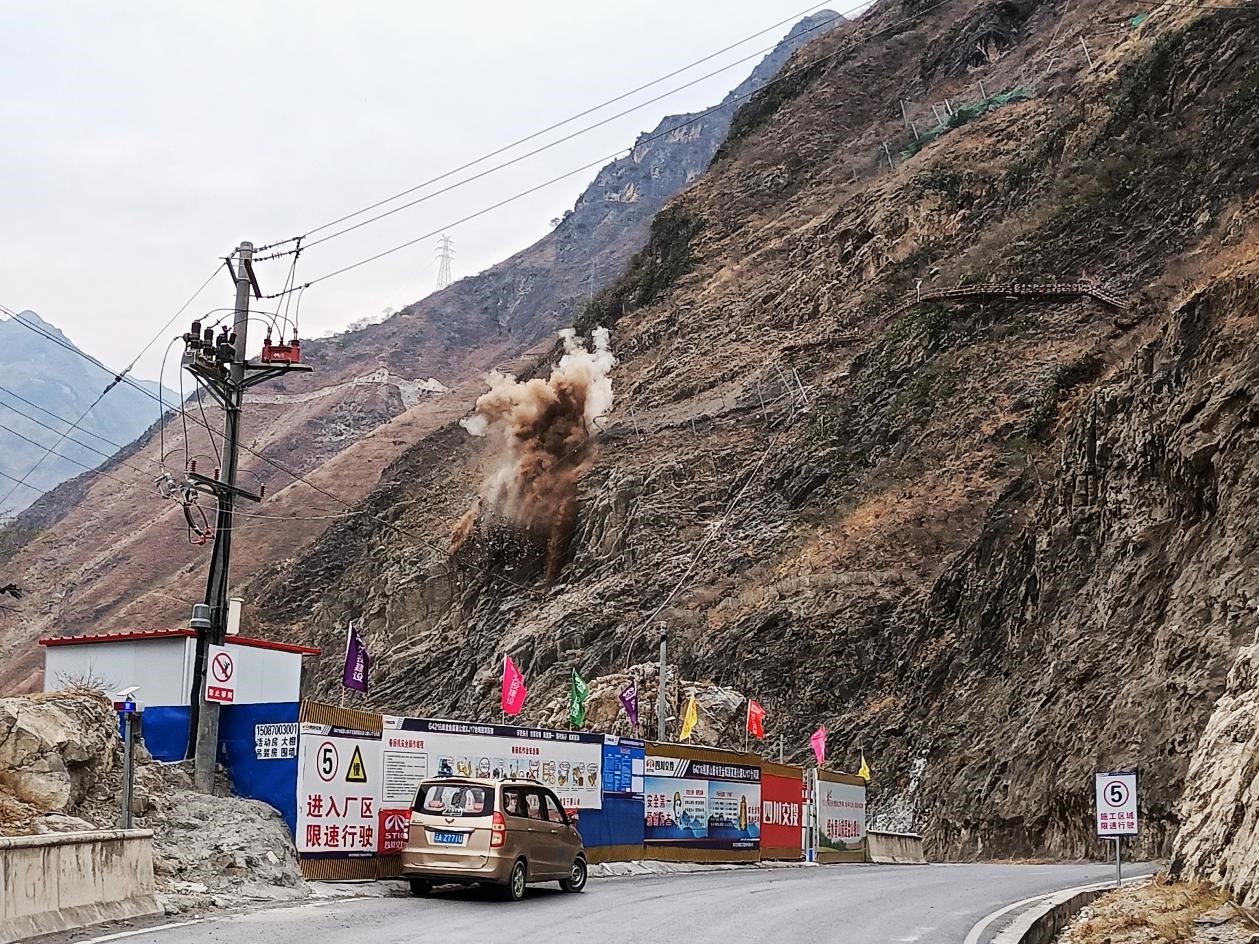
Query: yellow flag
x=864, y=772
x=689, y=719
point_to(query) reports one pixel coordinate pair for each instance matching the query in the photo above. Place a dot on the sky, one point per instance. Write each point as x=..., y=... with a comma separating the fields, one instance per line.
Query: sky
x=144, y=140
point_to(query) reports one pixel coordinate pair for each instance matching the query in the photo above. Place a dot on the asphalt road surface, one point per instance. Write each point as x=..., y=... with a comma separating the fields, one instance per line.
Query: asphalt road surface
x=855, y=904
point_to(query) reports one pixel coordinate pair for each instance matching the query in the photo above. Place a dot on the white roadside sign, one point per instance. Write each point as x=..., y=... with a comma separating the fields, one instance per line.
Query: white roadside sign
x=338, y=788
x=220, y=676
x=1116, y=804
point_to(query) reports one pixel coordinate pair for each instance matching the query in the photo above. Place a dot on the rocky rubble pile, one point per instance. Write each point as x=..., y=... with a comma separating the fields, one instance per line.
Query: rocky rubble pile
x=61, y=770
x=53, y=750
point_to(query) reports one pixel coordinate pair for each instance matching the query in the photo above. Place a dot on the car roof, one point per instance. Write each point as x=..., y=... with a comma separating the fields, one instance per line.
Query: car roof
x=487, y=781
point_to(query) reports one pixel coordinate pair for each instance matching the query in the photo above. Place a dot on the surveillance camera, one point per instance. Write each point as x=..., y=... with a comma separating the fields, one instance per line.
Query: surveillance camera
x=128, y=692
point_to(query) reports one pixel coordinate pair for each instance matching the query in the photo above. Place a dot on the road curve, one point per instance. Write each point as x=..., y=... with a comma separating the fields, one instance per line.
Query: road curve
x=855, y=904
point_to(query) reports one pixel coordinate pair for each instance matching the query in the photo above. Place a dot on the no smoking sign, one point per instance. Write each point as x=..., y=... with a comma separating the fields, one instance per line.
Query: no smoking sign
x=220, y=682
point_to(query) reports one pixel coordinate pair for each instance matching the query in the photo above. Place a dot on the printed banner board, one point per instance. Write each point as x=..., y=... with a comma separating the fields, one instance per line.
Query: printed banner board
x=569, y=762
x=782, y=812
x=338, y=792
x=841, y=816
x=701, y=804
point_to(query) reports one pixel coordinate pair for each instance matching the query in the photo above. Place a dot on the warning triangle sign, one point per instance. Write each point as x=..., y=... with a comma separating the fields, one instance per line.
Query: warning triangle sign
x=357, y=772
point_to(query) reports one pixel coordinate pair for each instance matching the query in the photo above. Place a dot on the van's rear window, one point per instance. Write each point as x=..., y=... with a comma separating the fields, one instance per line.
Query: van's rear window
x=454, y=799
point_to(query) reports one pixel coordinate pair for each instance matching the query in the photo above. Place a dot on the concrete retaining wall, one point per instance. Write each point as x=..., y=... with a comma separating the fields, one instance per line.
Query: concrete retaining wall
x=895, y=848
x=1042, y=924
x=68, y=880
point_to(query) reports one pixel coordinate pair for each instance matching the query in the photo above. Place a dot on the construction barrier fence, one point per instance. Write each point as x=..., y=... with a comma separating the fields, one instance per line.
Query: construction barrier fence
x=357, y=772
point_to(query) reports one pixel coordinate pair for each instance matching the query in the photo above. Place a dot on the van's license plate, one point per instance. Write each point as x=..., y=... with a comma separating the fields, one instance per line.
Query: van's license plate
x=448, y=839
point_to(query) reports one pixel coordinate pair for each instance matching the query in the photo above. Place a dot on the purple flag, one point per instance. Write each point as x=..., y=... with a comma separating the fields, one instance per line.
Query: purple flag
x=629, y=701
x=357, y=661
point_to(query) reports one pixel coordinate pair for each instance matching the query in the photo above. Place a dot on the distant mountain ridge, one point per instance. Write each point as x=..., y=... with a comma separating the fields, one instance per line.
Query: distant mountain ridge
x=58, y=384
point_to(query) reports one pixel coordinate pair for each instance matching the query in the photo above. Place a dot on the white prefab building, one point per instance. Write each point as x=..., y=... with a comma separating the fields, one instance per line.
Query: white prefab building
x=159, y=663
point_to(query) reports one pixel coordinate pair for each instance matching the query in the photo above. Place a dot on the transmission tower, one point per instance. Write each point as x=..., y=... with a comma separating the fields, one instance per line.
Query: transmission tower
x=445, y=253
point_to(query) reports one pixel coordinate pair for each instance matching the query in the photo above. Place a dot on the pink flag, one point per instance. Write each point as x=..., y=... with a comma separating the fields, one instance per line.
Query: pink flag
x=818, y=740
x=514, y=690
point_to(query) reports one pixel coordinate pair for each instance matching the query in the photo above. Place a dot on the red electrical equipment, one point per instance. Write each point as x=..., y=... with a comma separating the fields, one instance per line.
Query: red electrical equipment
x=281, y=353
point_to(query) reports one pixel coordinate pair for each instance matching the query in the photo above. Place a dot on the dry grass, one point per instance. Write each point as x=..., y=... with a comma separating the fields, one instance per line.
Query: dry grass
x=1149, y=914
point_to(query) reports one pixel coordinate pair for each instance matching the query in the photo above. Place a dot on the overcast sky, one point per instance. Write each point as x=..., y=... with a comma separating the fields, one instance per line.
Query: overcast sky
x=143, y=140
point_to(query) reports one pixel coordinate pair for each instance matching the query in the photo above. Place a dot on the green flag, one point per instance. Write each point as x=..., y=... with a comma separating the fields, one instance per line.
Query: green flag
x=577, y=700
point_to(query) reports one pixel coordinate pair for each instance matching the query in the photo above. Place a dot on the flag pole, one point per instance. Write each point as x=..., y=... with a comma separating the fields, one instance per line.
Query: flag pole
x=747, y=723
x=349, y=630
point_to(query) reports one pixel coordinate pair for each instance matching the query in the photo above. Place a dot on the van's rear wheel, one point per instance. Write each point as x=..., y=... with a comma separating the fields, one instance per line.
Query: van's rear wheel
x=576, y=880
x=421, y=887
x=514, y=890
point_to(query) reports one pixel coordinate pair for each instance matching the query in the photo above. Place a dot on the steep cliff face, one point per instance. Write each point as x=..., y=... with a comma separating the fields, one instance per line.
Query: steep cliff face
x=940, y=435
x=102, y=555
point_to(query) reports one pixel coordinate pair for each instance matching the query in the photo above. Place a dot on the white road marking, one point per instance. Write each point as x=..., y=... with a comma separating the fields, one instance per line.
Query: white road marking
x=157, y=927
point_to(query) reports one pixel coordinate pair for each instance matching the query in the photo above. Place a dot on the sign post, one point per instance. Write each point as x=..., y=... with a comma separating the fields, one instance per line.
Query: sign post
x=128, y=711
x=1116, y=794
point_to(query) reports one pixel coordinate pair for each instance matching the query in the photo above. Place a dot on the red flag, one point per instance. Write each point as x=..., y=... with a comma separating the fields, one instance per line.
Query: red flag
x=514, y=691
x=756, y=719
x=818, y=740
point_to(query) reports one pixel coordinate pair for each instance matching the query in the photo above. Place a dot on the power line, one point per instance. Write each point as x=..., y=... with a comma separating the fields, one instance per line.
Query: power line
x=52, y=429
x=287, y=471
x=118, y=378
x=919, y=14
x=62, y=455
x=575, y=134
x=559, y=124
x=56, y=416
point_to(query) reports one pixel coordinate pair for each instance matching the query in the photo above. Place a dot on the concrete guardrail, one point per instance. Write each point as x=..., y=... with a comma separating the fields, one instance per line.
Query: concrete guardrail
x=60, y=881
x=895, y=848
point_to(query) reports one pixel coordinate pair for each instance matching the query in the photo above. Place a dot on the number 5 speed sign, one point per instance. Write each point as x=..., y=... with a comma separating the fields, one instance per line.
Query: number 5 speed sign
x=1116, y=804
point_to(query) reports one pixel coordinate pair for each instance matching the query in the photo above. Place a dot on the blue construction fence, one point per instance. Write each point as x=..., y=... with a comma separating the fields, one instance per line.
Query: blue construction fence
x=257, y=746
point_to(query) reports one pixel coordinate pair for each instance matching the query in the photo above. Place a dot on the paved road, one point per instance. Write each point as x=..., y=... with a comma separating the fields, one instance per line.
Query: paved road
x=934, y=904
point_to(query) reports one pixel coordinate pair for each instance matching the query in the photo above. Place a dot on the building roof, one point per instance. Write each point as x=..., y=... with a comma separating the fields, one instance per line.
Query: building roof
x=137, y=635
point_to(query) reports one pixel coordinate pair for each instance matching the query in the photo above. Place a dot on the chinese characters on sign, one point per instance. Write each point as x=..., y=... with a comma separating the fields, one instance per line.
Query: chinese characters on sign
x=275, y=741
x=338, y=808
x=1116, y=804
x=841, y=812
x=220, y=681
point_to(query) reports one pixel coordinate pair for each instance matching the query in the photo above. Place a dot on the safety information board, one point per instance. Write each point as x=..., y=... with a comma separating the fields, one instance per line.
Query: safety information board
x=568, y=762
x=1116, y=803
x=338, y=783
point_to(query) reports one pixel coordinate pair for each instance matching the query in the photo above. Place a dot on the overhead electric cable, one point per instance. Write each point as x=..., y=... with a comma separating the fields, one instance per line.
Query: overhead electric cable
x=559, y=124
x=603, y=160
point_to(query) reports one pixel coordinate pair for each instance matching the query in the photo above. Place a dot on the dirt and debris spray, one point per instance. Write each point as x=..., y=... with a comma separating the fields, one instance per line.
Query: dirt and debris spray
x=539, y=433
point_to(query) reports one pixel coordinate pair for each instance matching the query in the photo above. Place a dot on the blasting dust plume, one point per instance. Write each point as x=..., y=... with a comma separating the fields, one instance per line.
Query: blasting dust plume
x=538, y=443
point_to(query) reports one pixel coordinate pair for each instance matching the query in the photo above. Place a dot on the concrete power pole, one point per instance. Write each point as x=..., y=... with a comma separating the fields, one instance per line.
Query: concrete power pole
x=227, y=382
x=445, y=253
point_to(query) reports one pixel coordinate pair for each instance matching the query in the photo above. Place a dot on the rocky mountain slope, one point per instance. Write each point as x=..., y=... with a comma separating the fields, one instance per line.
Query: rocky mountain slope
x=941, y=434
x=99, y=554
x=43, y=381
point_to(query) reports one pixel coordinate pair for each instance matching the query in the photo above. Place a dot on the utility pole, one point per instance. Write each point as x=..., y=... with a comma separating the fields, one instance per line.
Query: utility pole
x=662, y=716
x=445, y=253
x=221, y=367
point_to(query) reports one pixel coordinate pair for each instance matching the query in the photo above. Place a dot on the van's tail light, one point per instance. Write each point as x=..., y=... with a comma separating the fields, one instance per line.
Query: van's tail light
x=498, y=831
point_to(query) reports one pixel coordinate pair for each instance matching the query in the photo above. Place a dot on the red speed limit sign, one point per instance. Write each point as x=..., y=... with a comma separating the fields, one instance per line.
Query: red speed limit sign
x=1116, y=803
